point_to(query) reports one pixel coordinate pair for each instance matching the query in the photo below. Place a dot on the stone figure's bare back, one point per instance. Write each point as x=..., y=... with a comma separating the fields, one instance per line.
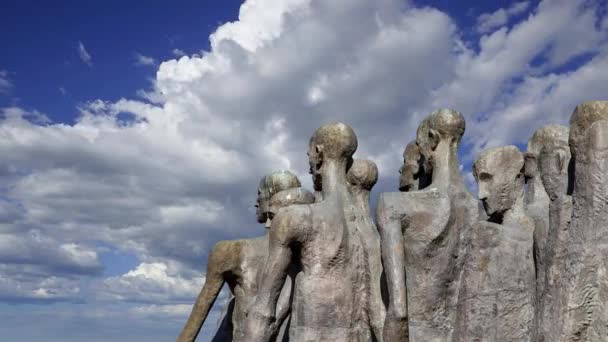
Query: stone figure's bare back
x=372, y=284
x=243, y=262
x=423, y=221
x=243, y=278
x=326, y=302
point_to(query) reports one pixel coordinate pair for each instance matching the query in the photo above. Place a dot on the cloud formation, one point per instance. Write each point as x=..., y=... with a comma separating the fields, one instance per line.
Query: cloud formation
x=84, y=55
x=5, y=83
x=165, y=179
x=489, y=21
x=144, y=60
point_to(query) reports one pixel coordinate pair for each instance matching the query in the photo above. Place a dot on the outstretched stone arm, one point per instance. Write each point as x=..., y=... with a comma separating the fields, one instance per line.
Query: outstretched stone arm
x=261, y=316
x=393, y=256
x=218, y=263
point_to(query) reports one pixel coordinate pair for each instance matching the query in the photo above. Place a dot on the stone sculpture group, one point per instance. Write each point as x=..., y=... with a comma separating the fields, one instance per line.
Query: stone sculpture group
x=525, y=261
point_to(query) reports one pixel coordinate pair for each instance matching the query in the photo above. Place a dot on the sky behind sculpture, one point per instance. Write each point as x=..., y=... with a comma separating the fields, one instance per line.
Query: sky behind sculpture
x=132, y=139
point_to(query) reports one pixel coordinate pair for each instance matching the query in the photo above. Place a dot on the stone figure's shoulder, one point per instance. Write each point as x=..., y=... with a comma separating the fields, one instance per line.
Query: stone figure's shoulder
x=225, y=254
x=291, y=222
x=412, y=201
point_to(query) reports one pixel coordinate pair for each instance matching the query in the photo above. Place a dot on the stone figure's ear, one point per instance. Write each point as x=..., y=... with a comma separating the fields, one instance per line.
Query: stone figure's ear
x=433, y=138
x=319, y=150
x=319, y=154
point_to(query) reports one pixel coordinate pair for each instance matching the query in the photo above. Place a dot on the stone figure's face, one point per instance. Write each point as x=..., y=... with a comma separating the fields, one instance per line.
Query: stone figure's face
x=425, y=142
x=409, y=171
x=499, y=179
x=553, y=166
x=261, y=204
x=315, y=161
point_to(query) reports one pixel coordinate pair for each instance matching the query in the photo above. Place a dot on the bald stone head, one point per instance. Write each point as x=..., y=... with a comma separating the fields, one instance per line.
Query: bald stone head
x=442, y=125
x=547, y=136
x=270, y=185
x=363, y=174
x=286, y=198
x=499, y=175
x=335, y=142
x=582, y=118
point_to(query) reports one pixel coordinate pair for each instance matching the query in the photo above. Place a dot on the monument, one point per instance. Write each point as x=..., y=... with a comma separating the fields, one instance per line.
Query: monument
x=525, y=261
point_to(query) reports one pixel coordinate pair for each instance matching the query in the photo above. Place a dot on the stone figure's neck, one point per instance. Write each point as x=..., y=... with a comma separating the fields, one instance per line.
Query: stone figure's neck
x=333, y=175
x=362, y=201
x=536, y=192
x=446, y=170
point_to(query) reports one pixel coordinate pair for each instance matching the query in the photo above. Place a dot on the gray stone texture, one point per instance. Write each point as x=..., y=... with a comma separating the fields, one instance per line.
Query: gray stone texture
x=238, y=263
x=586, y=315
x=423, y=234
x=497, y=301
x=330, y=301
x=361, y=177
x=553, y=164
x=537, y=200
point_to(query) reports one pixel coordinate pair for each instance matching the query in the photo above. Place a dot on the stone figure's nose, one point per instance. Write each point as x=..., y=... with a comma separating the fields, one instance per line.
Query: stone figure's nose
x=482, y=192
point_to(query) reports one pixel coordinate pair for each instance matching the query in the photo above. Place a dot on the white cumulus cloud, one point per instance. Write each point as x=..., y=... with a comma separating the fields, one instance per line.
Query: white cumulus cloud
x=166, y=178
x=489, y=21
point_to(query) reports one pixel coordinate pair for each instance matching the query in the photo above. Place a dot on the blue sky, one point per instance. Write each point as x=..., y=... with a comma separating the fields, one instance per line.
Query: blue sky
x=42, y=39
x=133, y=136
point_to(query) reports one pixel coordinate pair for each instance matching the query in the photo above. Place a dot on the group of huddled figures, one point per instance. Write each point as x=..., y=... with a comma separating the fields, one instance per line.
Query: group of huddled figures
x=525, y=261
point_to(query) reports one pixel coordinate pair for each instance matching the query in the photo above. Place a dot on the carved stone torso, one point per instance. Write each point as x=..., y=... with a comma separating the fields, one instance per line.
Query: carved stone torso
x=553, y=301
x=538, y=210
x=586, y=271
x=370, y=241
x=433, y=228
x=329, y=302
x=497, y=297
x=243, y=279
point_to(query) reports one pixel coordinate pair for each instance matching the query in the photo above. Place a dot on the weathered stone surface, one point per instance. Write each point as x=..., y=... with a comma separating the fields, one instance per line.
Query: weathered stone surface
x=536, y=199
x=323, y=238
x=586, y=315
x=239, y=263
x=412, y=174
x=553, y=162
x=361, y=177
x=497, y=300
x=422, y=237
